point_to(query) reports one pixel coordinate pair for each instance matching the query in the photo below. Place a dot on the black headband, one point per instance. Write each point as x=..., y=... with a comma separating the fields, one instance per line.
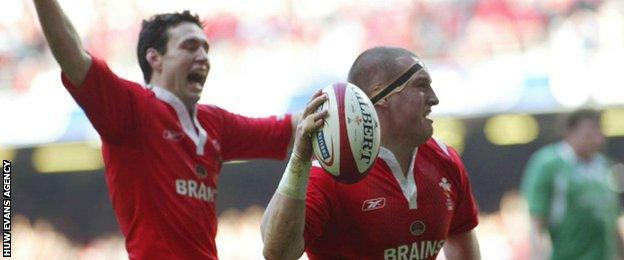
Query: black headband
x=398, y=82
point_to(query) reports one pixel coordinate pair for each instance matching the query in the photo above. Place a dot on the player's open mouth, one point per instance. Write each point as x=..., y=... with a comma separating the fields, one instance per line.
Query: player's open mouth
x=197, y=77
x=426, y=116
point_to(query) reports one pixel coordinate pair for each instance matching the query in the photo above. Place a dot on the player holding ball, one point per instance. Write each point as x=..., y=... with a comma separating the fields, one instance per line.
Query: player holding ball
x=415, y=200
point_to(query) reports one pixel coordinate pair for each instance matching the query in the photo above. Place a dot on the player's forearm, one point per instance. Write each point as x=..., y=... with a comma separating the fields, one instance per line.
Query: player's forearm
x=282, y=228
x=284, y=219
x=63, y=40
x=283, y=222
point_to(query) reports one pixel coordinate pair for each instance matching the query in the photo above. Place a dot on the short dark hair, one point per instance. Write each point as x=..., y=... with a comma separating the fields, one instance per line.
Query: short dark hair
x=154, y=35
x=376, y=64
x=576, y=117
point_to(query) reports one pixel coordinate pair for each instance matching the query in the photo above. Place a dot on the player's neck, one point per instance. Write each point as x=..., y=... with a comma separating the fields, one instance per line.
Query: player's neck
x=582, y=156
x=578, y=150
x=190, y=107
x=169, y=86
x=400, y=145
x=402, y=152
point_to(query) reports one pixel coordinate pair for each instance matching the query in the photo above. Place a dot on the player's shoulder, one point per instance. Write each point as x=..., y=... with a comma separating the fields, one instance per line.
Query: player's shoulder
x=209, y=108
x=216, y=111
x=546, y=162
x=548, y=154
x=438, y=148
x=549, y=149
x=442, y=155
x=317, y=170
x=136, y=88
x=101, y=71
x=212, y=112
x=319, y=176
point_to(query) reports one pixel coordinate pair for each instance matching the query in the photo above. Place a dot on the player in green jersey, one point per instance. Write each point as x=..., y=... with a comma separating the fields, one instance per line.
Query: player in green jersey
x=567, y=186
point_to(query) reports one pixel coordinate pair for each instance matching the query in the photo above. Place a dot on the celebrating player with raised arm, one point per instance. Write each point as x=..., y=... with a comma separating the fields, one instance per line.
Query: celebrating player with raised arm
x=162, y=151
x=416, y=199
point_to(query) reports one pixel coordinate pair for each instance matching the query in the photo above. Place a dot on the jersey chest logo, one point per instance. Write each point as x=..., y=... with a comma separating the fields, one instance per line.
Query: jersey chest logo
x=200, y=171
x=373, y=204
x=417, y=228
x=446, y=187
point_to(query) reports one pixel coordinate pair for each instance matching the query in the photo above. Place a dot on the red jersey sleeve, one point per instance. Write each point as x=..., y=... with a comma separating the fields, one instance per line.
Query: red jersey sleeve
x=244, y=137
x=321, y=189
x=465, y=217
x=110, y=103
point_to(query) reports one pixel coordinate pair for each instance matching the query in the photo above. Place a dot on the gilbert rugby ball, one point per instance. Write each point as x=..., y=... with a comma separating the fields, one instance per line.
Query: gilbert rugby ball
x=348, y=143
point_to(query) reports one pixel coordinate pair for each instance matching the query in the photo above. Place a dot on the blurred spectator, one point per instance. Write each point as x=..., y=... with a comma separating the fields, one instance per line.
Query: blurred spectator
x=567, y=186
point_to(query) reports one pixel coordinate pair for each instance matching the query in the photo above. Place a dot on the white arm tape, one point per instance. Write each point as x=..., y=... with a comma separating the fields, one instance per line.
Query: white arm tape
x=294, y=183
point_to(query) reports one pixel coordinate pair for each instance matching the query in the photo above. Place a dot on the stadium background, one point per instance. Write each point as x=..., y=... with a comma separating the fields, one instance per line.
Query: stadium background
x=506, y=72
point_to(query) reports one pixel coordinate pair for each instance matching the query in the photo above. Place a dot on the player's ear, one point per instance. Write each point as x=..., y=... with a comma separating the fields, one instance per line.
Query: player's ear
x=154, y=59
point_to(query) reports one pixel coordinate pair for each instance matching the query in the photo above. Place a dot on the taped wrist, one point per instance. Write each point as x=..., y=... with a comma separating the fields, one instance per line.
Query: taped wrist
x=294, y=182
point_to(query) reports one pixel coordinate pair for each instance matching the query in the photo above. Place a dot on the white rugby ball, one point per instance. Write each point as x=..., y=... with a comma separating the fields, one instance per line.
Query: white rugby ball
x=348, y=143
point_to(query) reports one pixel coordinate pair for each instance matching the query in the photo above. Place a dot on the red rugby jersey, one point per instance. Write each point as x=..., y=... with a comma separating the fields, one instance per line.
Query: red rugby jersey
x=162, y=165
x=389, y=216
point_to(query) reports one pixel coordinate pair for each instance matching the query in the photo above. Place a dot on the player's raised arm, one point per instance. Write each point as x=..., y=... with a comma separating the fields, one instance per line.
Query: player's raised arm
x=284, y=219
x=63, y=40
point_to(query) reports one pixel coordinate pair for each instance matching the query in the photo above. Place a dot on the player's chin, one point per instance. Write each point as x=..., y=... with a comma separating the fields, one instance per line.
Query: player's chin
x=193, y=96
x=428, y=133
x=426, y=122
x=194, y=87
x=427, y=129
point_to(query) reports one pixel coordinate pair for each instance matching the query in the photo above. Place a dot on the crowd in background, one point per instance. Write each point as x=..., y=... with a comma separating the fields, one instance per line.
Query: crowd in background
x=311, y=36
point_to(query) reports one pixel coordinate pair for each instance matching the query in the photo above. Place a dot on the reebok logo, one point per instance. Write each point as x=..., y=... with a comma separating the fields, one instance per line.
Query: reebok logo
x=373, y=204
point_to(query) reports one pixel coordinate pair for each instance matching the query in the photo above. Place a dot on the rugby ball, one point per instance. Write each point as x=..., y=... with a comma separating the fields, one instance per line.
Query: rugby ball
x=348, y=143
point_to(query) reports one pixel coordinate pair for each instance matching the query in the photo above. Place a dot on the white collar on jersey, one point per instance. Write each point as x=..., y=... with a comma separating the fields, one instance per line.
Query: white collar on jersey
x=408, y=185
x=595, y=164
x=199, y=137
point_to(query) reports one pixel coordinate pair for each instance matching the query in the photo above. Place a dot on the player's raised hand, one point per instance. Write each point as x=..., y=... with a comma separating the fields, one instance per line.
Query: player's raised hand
x=63, y=40
x=311, y=121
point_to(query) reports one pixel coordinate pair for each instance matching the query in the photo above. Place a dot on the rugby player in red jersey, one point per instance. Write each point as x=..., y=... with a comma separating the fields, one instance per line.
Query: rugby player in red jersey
x=162, y=151
x=415, y=201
